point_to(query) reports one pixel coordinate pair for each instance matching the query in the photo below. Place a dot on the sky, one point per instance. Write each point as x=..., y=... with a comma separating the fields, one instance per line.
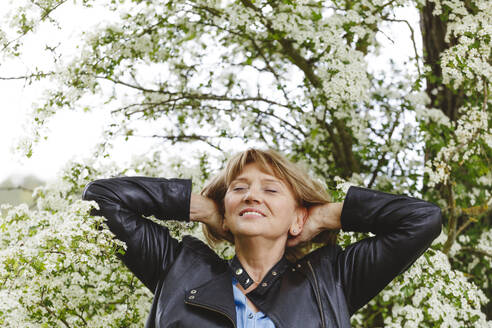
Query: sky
x=73, y=134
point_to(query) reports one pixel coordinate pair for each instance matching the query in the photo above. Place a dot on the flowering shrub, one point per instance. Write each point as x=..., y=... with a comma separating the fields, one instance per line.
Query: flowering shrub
x=58, y=264
x=430, y=294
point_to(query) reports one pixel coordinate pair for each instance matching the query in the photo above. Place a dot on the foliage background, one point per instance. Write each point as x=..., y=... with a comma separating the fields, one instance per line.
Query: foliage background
x=296, y=76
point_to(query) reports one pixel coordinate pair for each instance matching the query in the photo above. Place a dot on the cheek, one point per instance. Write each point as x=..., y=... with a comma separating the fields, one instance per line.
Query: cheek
x=288, y=210
x=228, y=204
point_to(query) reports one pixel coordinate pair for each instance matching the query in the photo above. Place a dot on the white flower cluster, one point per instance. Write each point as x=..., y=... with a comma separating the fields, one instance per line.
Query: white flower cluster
x=479, y=252
x=340, y=68
x=24, y=17
x=344, y=185
x=440, y=296
x=58, y=264
x=428, y=115
x=468, y=130
x=3, y=38
x=468, y=60
x=55, y=261
x=485, y=241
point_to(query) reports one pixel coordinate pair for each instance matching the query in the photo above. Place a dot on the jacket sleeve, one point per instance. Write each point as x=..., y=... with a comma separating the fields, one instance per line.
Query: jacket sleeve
x=404, y=228
x=123, y=201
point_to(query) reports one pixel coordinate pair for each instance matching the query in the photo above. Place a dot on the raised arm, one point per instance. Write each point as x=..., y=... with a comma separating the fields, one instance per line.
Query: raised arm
x=124, y=200
x=404, y=229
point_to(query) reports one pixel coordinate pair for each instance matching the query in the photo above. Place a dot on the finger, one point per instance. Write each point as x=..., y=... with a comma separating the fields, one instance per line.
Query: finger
x=294, y=241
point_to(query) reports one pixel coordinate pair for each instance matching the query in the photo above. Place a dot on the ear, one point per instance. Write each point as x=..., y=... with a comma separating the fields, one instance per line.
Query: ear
x=301, y=217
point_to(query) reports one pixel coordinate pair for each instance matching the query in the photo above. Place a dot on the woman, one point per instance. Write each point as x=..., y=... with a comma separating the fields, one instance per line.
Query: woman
x=262, y=203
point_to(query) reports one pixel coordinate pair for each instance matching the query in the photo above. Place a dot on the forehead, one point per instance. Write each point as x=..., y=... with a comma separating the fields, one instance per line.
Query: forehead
x=255, y=170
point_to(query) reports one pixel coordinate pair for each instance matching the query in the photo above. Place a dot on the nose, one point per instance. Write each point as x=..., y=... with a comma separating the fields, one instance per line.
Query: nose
x=252, y=195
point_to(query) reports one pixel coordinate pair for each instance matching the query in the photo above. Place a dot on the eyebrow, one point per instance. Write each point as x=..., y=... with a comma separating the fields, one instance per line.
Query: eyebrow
x=263, y=180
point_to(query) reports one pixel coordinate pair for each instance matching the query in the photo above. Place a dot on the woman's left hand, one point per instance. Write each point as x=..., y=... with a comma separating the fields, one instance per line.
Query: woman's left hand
x=320, y=217
x=205, y=210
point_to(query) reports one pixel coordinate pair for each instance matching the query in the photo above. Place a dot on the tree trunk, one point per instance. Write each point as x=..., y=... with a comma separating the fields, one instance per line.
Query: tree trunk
x=433, y=33
x=433, y=30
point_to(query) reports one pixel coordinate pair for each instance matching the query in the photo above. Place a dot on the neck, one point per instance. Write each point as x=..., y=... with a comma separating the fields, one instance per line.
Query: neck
x=258, y=255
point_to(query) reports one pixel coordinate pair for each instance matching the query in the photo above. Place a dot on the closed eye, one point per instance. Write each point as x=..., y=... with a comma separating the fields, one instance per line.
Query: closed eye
x=270, y=190
x=238, y=188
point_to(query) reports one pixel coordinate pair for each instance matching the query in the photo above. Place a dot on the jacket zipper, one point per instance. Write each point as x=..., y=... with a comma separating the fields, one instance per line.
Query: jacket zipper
x=214, y=310
x=318, y=297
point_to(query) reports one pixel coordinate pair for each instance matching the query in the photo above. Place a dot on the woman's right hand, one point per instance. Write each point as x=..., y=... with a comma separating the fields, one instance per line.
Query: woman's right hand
x=205, y=210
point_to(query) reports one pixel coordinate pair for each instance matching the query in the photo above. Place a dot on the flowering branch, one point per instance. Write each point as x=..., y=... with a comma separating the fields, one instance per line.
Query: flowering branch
x=27, y=77
x=46, y=307
x=28, y=29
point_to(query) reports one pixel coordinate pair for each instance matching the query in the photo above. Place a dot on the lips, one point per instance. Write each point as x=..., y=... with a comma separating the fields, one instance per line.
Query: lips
x=251, y=211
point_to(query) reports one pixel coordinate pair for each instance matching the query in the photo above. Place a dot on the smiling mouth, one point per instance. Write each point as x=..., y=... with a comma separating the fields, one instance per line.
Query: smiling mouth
x=251, y=212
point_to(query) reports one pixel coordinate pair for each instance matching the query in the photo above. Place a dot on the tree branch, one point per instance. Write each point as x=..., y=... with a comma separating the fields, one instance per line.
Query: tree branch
x=270, y=68
x=453, y=219
x=464, y=225
x=80, y=316
x=200, y=96
x=412, y=34
x=477, y=251
x=17, y=188
x=26, y=77
x=294, y=56
x=485, y=93
x=185, y=138
x=382, y=158
x=218, y=98
x=50, y=311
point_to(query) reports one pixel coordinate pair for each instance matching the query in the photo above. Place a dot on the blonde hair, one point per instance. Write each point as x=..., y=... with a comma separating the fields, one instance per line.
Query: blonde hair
x=307, y=192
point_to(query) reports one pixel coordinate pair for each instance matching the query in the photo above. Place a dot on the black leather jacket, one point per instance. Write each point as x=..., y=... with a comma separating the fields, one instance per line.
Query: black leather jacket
x=193, y=286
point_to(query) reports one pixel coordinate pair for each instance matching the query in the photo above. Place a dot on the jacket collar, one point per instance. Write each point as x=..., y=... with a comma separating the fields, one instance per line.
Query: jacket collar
x=217, y=294
x=245, y=280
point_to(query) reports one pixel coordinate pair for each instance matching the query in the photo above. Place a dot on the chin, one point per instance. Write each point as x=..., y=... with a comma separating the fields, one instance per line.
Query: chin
x=248, y=232
x=253, y=233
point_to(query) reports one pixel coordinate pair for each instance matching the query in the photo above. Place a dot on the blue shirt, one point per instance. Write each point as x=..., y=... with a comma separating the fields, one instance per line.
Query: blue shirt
x=245, y=317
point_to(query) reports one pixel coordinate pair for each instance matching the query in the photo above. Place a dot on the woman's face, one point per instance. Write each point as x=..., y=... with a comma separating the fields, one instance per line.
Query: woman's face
x=259, y=204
